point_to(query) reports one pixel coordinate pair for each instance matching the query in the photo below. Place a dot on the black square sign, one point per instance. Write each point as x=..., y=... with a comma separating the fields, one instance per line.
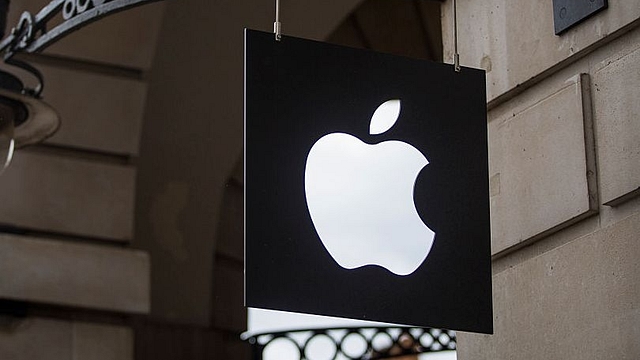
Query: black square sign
x=366, y=185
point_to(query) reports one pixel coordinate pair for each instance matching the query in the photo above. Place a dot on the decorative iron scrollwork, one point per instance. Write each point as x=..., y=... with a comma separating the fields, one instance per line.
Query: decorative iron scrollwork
x=31, y=34
x=364, y=343
x=26, y=119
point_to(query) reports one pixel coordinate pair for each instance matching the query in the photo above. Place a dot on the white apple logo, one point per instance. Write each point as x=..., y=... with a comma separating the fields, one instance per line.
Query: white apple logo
x=360, y=198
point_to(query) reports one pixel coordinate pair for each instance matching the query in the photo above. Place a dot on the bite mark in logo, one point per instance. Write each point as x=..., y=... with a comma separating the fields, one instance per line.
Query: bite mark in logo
x=360, y=198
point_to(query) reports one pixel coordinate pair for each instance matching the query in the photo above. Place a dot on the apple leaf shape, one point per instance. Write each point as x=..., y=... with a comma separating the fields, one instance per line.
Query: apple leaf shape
x=384, y=117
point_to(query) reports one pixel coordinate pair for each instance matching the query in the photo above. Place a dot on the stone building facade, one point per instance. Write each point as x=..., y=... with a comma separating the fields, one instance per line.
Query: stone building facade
x=564, y=167
x=121, y=236
x=71, y=284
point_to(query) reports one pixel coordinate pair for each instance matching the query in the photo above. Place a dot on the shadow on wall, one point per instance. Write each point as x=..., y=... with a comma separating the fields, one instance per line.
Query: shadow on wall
x=192, y=138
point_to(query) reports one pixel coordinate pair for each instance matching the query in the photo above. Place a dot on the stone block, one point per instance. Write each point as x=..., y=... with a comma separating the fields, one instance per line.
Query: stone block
x=68, y=196
x=102, y=342
x=617, y=119
x=515, y=40
x=98, y=112
x=542, y=173
x=578, y=301
x=36, y=339
x=74, y=274
x=126, y=39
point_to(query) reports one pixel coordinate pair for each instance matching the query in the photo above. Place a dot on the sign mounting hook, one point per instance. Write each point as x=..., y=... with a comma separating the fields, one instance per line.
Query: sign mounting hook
x=456, y=56
x=277, y=26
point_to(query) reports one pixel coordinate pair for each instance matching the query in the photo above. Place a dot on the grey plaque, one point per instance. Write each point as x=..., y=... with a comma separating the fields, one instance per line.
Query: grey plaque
x=567, y=13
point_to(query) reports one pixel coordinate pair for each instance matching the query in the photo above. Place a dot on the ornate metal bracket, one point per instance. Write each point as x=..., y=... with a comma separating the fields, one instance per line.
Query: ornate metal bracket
x=24, y=118
x=31, y=34
x=365, y=343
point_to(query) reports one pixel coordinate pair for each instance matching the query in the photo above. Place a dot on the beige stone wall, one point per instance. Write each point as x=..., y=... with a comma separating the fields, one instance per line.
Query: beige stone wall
x=564, y=131
x=54, y=339
x=69, y=279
